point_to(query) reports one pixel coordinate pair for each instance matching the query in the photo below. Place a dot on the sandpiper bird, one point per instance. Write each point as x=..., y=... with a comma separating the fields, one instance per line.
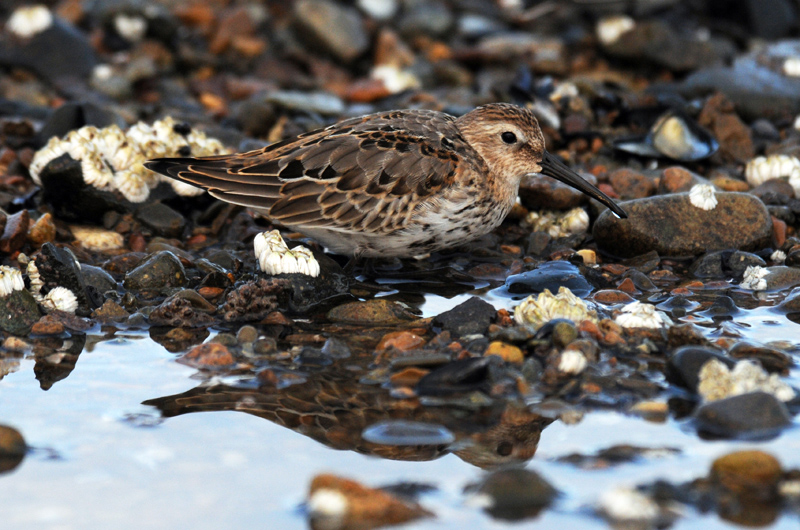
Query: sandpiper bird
x=393, y=184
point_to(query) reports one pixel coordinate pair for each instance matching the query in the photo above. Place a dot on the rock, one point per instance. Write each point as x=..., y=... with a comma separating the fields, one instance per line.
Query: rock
x=725, y=264
x=335, y=502
x=209, y=355
x=685, y=363
x=775, y=278
x=15, y=232
x=12, y=448
x=74, y=115
x=426, y=17
x=550, y=275
x=59, y=268
x=754, y=415
x=770, y=359
x=43, y=230
x=109, y=312
x=515, y=493
x=400, y=341
x=75, y=57
x=790, y=304
x=507, y=352
x=312, y=102
x=18, y=312
x=631, y=184
x=160, y=272
x=161, y=219
x=371, y=312
x=468, y=318
x=182, y=312
x=749, y=475
x=334, y=28
x=773, y=190
x=467, y=375
x=676, y=179
x=97, y=279
x=735, y=141
x=253, y=300
x=540, y=192
x=672, y=226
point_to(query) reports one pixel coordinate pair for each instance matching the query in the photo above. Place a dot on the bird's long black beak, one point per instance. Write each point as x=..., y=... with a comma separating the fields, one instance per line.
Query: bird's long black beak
x=553, y=167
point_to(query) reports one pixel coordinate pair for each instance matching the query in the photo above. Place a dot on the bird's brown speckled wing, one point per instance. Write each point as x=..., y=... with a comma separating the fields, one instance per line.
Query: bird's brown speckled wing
x=365, y=174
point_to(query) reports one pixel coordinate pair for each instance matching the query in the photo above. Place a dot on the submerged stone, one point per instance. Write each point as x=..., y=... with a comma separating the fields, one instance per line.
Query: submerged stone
x=755, y=415
x=672, y=226
x=514, y=494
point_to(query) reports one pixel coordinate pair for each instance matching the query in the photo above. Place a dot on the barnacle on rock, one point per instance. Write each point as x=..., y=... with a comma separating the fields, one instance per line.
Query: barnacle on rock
x=111, y=159
x=10, y=280
x=538, y=311
x=778, y=256
x=572, y=362
x=755, y=278
x=179, y=313
x=27, y=21
x=761, y=169
x=610, y=29
x=641, y=315
x=274, y=256
x=98, y=239
x=702, y=196
x=627, y=505
x=60, y=299
x=253, y=300
x=717, y=381
x=558, y=224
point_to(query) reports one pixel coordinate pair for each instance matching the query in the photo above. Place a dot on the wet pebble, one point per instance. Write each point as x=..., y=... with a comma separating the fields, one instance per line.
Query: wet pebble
x=725, y=263
x=513, y=494
x=334, y=28
x=551, y=276
x=672, y=226
x=209, y=355
x=160, y=272
x=749, y=475
x=18, y=312
x=12, y=448
x=507, y=352
x=15, y=232
x=683, y=367
x=110, y=311
x=468, y=318
x=371, y=312
x=770, y=359
x=161, y=219
x=753, y=415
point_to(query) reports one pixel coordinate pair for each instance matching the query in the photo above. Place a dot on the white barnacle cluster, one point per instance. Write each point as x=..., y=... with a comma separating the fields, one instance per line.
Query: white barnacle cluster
x=642, y=315
x=558, y=224
x=27, y=21
x=59, y=299
x=131, y=27
x=274, y=256
x=394, y=78
x=610, y=29
x=97, y=239
x=702, y=196
x=10, y=280
x=717, y=381
x=112, y=159
x=755, y=278
x=778, y=256
x=328, y=503
x=763, y=168
x=536, y=312
x=791, y=66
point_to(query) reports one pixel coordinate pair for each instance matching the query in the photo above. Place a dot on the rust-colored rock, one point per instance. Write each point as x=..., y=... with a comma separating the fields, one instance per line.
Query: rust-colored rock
x=610, y=296
x=720, y=118
x=209, y=355
x=401, y=341
x=48, y=327
x=384, y=312
x=408, y=377
x=631, y=184
x=672, y=226
x=676, y=179
x=15, y=232
x=354, y=505
x=753, y=475
x=43, y=230
x=507, y=352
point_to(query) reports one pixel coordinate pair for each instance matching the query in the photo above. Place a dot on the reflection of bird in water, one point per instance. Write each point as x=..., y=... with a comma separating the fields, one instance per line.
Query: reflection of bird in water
x=334, y=410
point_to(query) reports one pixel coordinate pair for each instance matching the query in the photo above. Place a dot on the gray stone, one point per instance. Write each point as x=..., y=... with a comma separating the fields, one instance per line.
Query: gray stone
x=516, y=493
x=683, y=367
x=469, y=318
x=160, y=272
x=334, y=28
x=161, y=219
x=753, y=415
x=18, y=312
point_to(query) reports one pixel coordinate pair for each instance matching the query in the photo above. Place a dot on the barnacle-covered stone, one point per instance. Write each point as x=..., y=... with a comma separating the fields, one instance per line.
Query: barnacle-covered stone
x=558, y=224
x=253, y=300
x=761, y=169
x=538, y=311
x=718, y=381
x=111, y=159
x=759, y=278
x=60, y=299
x=18, y=309
x=98, y=239
x=10, y=280
x=642, y=315
x=274, y=256
x=702, y=196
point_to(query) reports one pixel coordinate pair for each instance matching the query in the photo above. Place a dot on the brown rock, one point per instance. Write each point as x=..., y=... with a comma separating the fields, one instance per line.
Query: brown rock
x=720, y=118
x=773, y=187
x=539, y=192
x=43, y=230
x=209, y=355
x=357, y=505
x=48, y=327
x=676, y=179
x=110, y=312
x=609, y=296
x=630, y=184
x=15, y=232
x=401, y=341
x=672, y=226
x=371, y=312
x=752, y=475
x=408, y=377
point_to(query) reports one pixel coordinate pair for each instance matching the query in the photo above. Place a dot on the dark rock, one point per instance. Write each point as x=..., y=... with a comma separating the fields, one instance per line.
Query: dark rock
x=771, y=360
x=468, y=318
x=75, y=58
x=160, y=272
x=672, y=226
x=724, y=263
x=74, y=115
x=756, y=415
x=537, y=243
x=684, y=365
x=462, y=376
x=540, y=192
x=550, y=275
x=161, y=219
x=98, y=279
x=254, y=300
x=18, y=312
x=334, y=28
x=59, y=268
x=516, y=493
x=790, y=304
x=178, y=312
x=109, y=312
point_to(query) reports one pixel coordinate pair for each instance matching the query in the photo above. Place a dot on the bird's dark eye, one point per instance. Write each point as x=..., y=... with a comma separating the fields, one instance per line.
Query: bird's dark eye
x=509, y=137
x=504, y=448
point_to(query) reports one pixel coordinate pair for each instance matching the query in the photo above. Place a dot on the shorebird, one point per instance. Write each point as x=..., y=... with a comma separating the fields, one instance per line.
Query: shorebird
x=393, y=184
